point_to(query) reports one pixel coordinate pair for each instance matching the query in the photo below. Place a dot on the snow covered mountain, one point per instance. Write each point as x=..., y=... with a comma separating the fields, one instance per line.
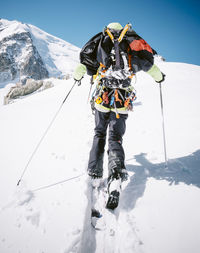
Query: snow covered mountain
x=49, y=211
x=28, y=52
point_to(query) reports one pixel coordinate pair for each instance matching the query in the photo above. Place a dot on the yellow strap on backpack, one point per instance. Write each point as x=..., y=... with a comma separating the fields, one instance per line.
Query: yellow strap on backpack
x=121, y=35
x=110, y=34
x=123, y=32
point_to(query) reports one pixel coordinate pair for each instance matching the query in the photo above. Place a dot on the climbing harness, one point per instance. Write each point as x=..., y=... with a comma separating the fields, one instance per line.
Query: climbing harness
x=115, y=99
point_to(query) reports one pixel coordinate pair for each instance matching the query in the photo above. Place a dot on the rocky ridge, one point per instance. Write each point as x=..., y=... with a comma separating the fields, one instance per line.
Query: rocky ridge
x=19, y=58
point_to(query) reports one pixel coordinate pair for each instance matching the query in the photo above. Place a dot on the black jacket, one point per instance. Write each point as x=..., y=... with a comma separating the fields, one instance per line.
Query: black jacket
x=97, y=50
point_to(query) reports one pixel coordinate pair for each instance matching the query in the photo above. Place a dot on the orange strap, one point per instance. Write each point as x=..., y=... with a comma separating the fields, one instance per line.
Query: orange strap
x=105, y=97
x=117, y=97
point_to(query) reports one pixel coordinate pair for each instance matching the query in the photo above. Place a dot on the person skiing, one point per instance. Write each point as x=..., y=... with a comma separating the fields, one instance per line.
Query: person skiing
x=112, y=58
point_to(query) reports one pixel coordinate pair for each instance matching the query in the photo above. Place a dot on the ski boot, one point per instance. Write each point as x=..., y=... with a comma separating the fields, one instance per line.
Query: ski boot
x=114, y=190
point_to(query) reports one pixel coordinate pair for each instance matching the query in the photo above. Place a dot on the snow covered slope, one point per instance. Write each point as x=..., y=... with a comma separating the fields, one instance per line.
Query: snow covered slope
x=60, y=57
x=49, y=212
x=27, y=51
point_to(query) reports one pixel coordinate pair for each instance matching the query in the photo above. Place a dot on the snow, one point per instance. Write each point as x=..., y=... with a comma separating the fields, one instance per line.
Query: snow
x=59, y=56
x=8, y=28
x=49, y=211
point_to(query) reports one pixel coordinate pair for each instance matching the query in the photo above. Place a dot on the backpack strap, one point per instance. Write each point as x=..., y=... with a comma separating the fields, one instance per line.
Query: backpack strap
x=109, y=34
x=126, y=28
x=116, y=43
x=117, y=55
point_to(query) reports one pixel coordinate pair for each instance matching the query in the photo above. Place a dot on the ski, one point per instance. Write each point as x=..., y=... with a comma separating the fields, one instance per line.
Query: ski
x=104, y=203
x=112, y=212
x=98, y=197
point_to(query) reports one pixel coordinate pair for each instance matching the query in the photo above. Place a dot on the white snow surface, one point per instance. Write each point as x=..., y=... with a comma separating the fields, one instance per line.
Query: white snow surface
x=49, y=211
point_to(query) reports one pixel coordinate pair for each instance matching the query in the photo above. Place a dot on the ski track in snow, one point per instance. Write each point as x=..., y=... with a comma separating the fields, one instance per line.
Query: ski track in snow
x=120, y=225
x=50, y=211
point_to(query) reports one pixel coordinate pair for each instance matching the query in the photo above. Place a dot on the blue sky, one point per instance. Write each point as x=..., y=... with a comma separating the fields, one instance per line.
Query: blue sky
x=170, y=27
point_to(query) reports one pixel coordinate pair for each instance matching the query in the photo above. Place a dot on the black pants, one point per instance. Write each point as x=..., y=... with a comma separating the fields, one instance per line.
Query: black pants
x=116, y=154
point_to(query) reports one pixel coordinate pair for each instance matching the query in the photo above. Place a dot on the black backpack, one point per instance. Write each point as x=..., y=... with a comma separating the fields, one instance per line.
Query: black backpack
x=96, y=52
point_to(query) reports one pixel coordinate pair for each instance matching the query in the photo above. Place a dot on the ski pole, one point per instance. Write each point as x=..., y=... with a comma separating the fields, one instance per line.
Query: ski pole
x=43, y=136
x=163, y=125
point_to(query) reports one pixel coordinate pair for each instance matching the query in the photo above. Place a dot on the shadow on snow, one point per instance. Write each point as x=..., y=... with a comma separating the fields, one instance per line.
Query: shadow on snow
x=180, y=170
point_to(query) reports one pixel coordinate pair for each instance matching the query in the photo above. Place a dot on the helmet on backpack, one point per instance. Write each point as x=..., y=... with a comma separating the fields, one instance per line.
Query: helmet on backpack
x=115, y=26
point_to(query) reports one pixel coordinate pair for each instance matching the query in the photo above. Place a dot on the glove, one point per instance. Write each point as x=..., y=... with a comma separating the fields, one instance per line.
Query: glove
x=79, y=72
x=163, y=78
x=157, y=75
